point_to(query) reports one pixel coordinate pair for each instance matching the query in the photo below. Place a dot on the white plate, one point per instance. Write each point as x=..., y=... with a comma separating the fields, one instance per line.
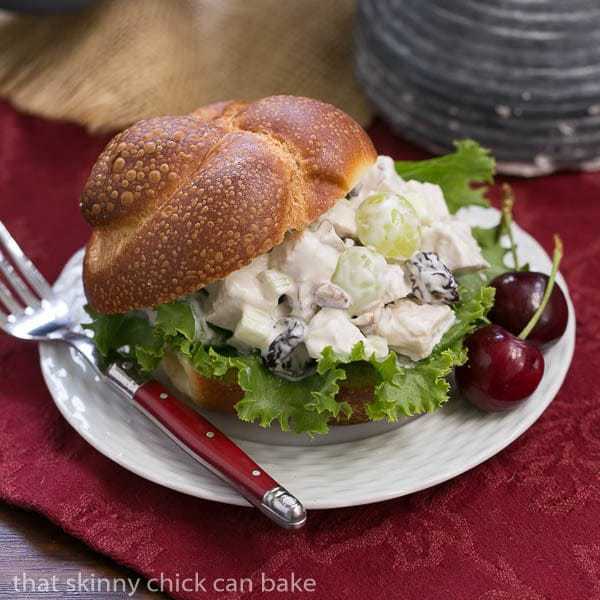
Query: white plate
x=356, y=465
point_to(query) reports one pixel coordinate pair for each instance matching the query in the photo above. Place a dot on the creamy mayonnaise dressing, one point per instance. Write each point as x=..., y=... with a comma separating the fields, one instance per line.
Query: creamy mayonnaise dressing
x=401, y=310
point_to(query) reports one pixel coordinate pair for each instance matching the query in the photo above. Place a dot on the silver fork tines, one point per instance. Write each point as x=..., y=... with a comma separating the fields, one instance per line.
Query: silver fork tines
x=7, y=299
x=23, y=313
x=33, y=277
x=17, y=283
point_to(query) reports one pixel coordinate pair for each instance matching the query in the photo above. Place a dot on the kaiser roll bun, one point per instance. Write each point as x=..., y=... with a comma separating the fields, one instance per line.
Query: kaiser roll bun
x=176, y=202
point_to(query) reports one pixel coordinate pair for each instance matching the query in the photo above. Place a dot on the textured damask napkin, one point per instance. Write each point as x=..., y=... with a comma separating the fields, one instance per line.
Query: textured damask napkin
x=524, y=525
x=122, y=60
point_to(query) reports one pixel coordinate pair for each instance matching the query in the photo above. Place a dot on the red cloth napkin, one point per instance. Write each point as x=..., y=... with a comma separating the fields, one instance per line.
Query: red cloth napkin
x=524, y=525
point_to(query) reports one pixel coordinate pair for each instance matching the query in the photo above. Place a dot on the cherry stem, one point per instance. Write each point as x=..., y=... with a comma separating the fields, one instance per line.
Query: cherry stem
x=556, y=258
x=508, y=201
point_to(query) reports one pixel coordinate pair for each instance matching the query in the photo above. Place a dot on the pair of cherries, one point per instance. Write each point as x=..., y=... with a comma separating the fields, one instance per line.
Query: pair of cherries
x=506, y=363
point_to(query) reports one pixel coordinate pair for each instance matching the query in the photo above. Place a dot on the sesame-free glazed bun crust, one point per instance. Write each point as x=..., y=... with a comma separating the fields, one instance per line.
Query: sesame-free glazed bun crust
x=178, y=202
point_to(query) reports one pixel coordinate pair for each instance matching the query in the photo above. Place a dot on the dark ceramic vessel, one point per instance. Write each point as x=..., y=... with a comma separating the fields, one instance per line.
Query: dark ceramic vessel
x=520, y=76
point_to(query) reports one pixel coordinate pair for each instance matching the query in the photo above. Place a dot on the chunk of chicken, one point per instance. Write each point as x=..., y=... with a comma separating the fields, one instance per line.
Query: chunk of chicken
x=343, y=218
x=332, y=327
x=413, y=329
x=227, y=297
x=453, y=242
x=427, y=199
x=305, y=257
x=395, y=284
x=381, y=177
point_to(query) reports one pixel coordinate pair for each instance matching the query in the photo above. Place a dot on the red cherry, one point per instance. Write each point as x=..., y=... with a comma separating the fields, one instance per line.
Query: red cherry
x=502, y=370
x=518, y=296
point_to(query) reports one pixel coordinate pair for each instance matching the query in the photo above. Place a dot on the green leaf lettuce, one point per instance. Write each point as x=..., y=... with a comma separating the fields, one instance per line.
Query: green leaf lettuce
x=455, y=173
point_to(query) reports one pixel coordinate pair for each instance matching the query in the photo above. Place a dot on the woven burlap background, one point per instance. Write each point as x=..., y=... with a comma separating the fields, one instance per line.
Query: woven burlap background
x=122, y=60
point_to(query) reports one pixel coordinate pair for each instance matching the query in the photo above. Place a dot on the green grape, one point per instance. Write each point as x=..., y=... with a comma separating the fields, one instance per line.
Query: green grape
x=389, y=223
x=360, y=273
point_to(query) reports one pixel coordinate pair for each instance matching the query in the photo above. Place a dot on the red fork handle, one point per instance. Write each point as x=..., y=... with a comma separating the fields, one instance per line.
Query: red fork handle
x=212, y=448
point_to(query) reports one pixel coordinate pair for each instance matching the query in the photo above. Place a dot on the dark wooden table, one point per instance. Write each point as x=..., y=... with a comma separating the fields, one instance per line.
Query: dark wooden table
x=34, y=550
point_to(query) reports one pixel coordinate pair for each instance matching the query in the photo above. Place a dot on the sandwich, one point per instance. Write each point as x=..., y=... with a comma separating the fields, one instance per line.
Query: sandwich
x=263, y=258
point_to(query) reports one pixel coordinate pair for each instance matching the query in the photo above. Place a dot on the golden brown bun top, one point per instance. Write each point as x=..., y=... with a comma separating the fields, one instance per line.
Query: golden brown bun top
x=178, y=202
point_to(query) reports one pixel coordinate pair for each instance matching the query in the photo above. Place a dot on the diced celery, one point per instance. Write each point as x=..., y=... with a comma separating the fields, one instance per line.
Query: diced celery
x=255, y=329
x=274, y=283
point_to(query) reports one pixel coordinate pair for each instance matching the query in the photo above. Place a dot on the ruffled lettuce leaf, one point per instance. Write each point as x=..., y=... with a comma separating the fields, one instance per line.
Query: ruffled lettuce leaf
x=133, y=336
x=406, y=390
x=470, y=312
x=455, y=173
x=176, y=319
x=304, y=406
x=400, y=389
x=309, y=405
x=112, y=332
x=416, y=390
x=126, y=336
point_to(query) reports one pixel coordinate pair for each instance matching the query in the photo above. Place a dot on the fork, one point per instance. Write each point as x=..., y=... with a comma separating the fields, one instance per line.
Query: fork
x=35, y=312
